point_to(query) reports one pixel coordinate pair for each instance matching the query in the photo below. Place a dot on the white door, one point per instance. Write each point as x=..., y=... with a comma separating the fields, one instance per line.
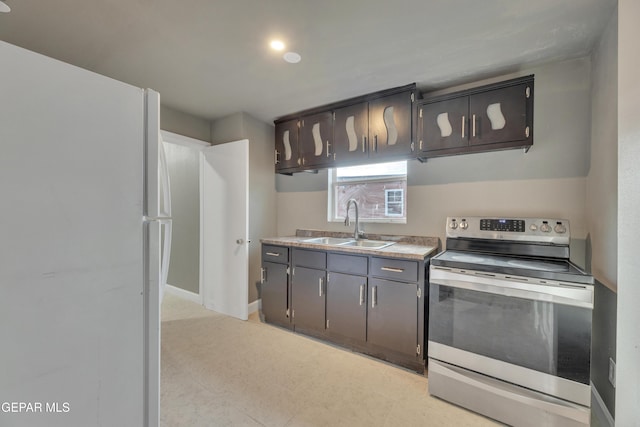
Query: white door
x=225, y=228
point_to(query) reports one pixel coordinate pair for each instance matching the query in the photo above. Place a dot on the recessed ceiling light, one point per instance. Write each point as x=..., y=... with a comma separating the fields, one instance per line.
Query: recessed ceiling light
x=292, y=57
x=277, y=45
x=4, y=7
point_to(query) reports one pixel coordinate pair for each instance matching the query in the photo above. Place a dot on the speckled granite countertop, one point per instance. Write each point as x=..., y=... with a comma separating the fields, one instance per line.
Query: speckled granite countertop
x=406, y=247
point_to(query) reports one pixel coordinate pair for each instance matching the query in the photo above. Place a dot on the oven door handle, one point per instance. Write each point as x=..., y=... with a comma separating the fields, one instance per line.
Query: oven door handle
x=578, y=297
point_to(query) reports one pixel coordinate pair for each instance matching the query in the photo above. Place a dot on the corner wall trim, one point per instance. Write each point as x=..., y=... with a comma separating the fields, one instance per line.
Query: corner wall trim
x=255, y=306
x=184, y=294
x=600, y=409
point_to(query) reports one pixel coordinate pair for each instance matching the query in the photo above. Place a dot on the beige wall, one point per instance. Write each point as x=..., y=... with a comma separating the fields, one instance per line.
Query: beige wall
x=429, y=205
x=628, y=337
x=602, y=181
x=184, y=124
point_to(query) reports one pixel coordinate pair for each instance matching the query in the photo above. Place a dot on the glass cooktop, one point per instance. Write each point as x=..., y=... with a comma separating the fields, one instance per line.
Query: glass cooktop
x=561, y=270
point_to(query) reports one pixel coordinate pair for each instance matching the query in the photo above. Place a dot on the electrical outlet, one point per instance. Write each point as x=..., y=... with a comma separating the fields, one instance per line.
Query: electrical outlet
x=612, y=372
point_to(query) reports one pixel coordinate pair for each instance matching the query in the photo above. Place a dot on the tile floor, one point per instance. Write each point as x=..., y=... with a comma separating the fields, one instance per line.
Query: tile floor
x=220, y=371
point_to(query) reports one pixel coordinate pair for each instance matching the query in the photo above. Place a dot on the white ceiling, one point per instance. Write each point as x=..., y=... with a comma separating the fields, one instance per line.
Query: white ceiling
x=211, y=58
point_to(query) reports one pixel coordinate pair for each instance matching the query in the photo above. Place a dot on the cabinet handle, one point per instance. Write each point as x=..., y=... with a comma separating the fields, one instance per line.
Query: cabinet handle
x=374, y=299
x=277, y=157
x=328, y=145
x=361, y=294
x=463, y=123
x=375, y=143
x=273, y=254
x=393, y=270
x=474, y=126
x=320, y=287
x=364, y=144
x=263, y=275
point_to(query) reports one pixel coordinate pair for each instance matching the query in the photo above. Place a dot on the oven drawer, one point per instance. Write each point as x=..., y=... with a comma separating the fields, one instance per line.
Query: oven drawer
x=502, y=401
x=278, y=254
x=394, y=269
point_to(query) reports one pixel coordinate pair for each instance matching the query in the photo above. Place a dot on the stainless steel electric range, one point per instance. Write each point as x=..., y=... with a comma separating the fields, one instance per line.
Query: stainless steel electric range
x=510, y=322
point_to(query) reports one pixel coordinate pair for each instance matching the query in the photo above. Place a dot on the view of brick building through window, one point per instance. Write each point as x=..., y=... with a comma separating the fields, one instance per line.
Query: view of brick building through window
x=380, y=190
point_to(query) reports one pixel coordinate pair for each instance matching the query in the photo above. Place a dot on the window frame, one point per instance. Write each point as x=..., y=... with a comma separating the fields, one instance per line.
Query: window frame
x=333, y=183
x=401, y=203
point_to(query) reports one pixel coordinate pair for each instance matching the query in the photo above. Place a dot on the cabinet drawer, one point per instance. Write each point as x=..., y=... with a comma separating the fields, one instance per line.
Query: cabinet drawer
x=350, y=264
x=394, y=269
x=311, y=259
x=279, y=254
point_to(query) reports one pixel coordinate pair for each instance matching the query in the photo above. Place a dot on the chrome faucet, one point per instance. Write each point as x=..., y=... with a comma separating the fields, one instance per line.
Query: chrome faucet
x=357, y=233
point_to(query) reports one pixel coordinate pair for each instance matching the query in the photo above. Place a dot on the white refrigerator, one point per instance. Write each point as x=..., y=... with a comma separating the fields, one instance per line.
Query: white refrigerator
x=83, y=209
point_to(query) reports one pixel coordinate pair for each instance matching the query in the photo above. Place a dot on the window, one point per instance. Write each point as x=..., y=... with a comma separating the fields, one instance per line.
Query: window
x=394, y=202
x=379, y=189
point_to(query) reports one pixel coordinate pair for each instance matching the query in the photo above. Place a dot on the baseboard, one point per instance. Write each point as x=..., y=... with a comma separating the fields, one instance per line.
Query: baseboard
x=184, y=294
x=600, y=409
x=255, y=306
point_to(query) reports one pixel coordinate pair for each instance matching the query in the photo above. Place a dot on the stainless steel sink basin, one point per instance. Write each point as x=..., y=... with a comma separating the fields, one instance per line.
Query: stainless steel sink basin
x=329, y=240
x=369, y=244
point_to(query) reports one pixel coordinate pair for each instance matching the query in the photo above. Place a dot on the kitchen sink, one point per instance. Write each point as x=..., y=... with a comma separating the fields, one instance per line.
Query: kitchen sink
x=329, y=240
x=369, y=244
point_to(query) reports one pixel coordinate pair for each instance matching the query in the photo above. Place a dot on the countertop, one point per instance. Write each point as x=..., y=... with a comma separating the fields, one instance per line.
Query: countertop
x=405, y=247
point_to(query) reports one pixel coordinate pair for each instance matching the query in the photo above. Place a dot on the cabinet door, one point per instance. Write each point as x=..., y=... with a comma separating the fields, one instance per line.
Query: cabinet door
x=393, y=315
x=347, y=306
x=274, y=293
x=316, y=139
x=500, y=115
x=287, y=154
x=390, y=125
x=443, y=125
x=308, y=299
x=350, y=132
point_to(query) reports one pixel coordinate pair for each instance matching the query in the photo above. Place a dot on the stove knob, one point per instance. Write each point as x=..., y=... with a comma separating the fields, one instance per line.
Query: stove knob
x=560, y=229
x=533, y=227
x=464, y=225
x=453, y=224
x=545, y=228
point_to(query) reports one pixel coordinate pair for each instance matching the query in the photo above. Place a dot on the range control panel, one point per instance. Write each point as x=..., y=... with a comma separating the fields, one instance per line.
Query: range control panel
x=542, y=230
x=516, y=225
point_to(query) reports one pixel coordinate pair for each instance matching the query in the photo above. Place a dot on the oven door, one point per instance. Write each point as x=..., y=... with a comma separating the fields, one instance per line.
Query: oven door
x=520, y=330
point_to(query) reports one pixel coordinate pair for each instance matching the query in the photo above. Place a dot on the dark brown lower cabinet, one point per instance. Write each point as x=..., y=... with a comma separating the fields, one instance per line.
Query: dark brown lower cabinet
x=308, y=299
x=347, y=306
x=274, y=293
x=371, y=304
x=393, y=315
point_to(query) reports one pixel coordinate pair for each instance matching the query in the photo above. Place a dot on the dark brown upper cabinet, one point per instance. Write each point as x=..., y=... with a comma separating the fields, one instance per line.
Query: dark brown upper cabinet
x=316, y=139
x=390, y=126
x=375, y=130
x=368, y=129
x=351, y=133
x=493, y=117
x=287, y=154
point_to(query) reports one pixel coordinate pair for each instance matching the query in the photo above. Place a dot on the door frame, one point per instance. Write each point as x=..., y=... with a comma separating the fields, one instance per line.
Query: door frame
x=197, y=145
